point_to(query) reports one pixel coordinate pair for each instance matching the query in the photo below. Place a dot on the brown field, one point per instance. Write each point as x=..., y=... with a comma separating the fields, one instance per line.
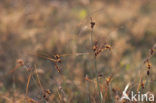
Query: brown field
x=76, y=51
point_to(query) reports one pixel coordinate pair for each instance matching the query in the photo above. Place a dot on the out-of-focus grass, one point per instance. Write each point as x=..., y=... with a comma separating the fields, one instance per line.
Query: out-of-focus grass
x=63, y=27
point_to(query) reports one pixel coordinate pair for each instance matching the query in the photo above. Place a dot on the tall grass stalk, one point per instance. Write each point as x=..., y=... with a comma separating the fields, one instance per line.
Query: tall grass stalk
x=88, y=90
x=95, y=66
x=14, y=89
x=110, y=89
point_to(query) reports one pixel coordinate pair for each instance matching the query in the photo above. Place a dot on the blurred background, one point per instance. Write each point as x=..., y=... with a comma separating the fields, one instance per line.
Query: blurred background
x=32, y=28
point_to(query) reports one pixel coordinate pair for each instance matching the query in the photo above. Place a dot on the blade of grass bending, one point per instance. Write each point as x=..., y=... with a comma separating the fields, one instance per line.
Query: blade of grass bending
x=28, y=82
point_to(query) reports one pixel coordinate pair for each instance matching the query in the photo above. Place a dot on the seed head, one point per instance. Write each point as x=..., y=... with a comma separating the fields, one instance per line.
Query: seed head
x=20, y=62
x=92, y=23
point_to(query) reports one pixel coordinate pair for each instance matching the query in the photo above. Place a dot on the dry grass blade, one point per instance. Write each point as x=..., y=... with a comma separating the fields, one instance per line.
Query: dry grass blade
x=38, y=80
x=28, y=82
x=48, y=58
x=59, y=95
x=61, y=55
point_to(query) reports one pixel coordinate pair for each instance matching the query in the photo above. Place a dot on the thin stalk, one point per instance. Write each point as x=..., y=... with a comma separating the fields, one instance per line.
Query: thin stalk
x=88, y=91
x=28, y=82
x=32, y=76
x=110, y=89
x=95, y=66
x=147, y=83
x=14, y=89
x=38, y=79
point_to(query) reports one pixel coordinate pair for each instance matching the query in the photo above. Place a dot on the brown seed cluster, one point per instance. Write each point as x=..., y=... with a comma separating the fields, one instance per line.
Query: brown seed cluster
x=97, y=49
x=152, y=50
x=142, y=84
x=58, y=58
x=108, y=79
x=92, y=24
x=147, y=61
x=46, y=94
x=20, y=62
x=148, y=66
x=58, y=61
